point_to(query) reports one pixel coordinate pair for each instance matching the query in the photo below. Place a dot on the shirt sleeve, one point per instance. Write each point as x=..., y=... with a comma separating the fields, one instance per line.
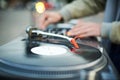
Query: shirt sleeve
x=111, y=31
x=81, y=8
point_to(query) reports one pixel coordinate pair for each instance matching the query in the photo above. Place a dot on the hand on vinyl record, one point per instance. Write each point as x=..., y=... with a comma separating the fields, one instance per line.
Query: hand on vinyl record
x=48, y=18
x=85, y=29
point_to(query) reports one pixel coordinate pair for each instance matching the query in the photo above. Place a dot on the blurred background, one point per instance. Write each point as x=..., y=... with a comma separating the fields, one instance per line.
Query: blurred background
x=16, y=15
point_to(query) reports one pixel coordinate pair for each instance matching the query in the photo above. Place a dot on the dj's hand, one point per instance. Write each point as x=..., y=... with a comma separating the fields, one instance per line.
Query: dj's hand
x=48, y=18
x=85, y=29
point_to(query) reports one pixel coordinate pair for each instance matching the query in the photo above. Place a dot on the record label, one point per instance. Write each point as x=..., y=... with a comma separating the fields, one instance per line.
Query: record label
x=49, y=50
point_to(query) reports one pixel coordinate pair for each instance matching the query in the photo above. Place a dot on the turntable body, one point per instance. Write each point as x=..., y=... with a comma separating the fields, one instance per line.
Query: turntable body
x=53, y=59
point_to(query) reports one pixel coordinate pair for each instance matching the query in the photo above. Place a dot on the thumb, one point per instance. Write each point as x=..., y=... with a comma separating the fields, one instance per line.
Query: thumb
x=47, y=22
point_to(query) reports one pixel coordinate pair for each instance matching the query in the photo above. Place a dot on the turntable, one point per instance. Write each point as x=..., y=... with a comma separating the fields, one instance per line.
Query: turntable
x=51, y=57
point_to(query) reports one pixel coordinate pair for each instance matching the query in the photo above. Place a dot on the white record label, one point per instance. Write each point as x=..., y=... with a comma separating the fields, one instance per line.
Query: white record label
x=49, y=50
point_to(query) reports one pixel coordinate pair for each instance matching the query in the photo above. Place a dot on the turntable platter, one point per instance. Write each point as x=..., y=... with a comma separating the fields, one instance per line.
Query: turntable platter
x=17, y=54
x=46, y=57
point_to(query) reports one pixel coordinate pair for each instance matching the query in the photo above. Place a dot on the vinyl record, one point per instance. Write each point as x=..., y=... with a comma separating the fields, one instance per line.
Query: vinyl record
x=32, y=59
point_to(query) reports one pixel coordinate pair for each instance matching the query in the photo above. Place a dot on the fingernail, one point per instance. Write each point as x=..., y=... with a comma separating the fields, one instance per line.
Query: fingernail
x=68, y=33
x=80, y=36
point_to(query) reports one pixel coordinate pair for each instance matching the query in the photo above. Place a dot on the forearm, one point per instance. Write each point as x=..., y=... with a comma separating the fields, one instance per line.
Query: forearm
x=111, y=31
x=81, y=8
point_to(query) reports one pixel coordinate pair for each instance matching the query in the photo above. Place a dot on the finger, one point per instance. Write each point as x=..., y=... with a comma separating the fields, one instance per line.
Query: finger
x=79, y=30
x=47, y=22
x=74, y=29
x=43, y=20
x=85, y=35
x=80, y=21
x=77, y=26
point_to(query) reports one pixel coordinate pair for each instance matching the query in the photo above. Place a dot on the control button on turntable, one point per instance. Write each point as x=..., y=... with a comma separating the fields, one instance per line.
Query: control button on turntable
x=49, y=50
